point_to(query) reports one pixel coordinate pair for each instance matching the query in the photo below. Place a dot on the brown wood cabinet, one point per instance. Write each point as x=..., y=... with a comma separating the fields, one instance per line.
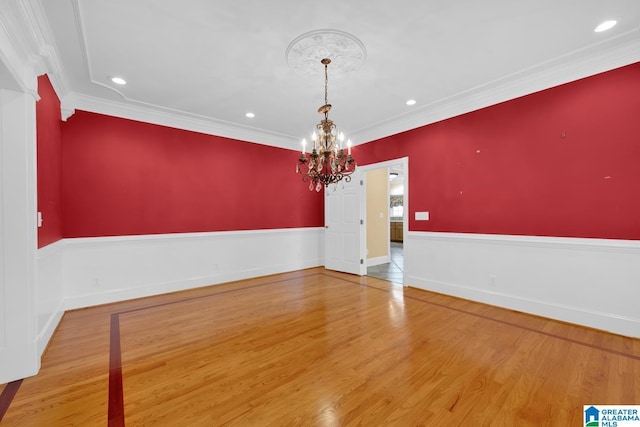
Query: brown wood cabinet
x=395, y=231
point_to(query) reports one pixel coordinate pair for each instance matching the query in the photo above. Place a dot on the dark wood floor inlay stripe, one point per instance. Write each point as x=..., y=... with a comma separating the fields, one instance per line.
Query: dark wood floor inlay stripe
x=504, y=322
x=116, y=395
x=7, y=396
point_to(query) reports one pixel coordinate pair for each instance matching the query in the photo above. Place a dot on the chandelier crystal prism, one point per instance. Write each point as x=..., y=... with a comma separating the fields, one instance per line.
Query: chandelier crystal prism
x=327, y=163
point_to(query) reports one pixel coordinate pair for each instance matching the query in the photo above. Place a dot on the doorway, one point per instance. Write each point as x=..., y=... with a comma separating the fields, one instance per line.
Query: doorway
x=394, y=185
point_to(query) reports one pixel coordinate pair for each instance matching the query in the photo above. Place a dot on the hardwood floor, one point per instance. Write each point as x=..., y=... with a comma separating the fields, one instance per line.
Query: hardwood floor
x=320, y=348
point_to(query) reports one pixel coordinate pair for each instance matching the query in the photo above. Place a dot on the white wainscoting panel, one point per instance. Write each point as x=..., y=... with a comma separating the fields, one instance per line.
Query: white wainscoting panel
x=49, y=291
x=107, y=269
x=590, y=282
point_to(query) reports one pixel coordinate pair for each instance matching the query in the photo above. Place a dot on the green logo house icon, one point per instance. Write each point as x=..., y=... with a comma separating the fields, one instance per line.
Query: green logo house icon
x=591, y=417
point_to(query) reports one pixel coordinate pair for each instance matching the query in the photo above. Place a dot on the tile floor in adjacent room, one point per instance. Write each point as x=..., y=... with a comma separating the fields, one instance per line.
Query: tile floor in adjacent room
x=393, y=270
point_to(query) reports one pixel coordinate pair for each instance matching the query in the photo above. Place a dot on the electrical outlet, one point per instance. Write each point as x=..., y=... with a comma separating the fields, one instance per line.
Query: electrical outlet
x=492, y=280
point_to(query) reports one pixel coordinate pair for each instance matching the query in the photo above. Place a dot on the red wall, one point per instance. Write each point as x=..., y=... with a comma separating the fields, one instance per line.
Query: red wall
x=123, y=177
x=49, y=159
x=560, y=162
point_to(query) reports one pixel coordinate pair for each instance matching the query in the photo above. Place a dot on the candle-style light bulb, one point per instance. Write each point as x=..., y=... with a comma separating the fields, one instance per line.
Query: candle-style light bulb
x=304, y=145
x=349, y=147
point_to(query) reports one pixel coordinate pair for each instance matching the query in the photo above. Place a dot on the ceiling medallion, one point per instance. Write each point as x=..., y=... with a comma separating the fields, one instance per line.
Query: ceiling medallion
x=345, y=51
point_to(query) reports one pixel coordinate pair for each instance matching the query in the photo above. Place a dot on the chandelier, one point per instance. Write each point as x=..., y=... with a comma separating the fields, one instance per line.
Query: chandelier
x=327, y=163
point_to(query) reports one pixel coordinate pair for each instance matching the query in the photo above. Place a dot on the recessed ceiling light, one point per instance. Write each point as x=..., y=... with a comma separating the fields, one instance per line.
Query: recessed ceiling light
x=118, y=80
x=411, y=102
x=606, y=25
x=250, y=115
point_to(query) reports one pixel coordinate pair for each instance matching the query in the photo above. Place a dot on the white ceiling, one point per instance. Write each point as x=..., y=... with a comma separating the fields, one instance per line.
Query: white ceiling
x=202, y=64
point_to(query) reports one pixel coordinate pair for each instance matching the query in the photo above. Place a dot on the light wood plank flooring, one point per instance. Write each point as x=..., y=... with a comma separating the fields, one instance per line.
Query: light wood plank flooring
x=320, y=348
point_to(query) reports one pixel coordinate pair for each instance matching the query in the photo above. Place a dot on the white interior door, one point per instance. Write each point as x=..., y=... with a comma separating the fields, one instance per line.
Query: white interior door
x=344, y=214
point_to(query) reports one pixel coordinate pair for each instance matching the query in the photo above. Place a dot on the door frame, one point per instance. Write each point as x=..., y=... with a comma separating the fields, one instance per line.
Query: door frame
x=404, y=162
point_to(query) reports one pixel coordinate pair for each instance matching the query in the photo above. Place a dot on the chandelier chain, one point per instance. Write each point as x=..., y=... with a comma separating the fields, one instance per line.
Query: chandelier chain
x=326, y=87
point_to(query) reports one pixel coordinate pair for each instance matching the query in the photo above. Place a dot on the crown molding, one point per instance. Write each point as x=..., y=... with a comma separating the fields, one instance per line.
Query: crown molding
x=132, y=109
x=136, y=110
x=50, y=60
x=24, y=47
x=597, y=58
x=172, y=118
x=26, y=50
x=16, y=48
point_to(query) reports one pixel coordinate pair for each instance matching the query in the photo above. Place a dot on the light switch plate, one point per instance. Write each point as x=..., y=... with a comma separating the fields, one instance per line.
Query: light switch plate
x=422, y=216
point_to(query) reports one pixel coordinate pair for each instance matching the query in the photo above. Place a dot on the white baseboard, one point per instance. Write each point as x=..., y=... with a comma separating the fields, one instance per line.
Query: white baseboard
x=49, y=292
x=49, y=327
x=590, y=282
x=156, y=288
x=377, y=260
x=109, y=269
